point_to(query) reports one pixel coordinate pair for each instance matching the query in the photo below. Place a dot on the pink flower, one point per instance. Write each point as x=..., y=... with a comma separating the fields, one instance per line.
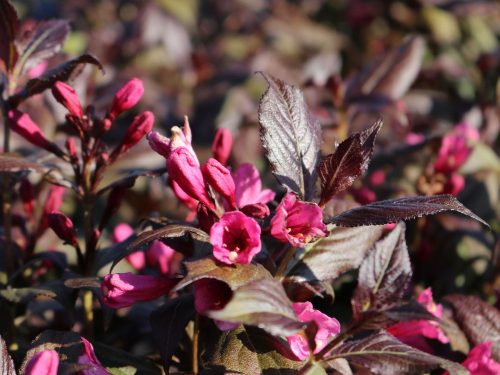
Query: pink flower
x=221, y=147
x=236, y=238
x=67, y=96
x=127, y=97
x=180, y=138
x=415, y=332
x=454, y=150
x=120, y=234
x=89, y=358
x=248, y=187
x=43, y=363
x=219, y=177
x=63, y=227
x=141, y=125
x=23, y=125
x=124, y=289
x=297, y=222
x=185, y=171
x=163, y=257
x=327, y=328
x=479, y=361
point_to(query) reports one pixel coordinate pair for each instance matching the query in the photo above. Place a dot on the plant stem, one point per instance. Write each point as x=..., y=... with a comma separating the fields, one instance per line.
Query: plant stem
x=196, y=335
x=88, y=314
x=280, y=273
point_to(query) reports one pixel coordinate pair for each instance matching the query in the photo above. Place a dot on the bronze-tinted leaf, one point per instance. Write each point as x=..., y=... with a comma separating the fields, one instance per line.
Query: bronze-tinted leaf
x=382, y=353
x=18, y=164
x=62, y=72
x=246, y=350
x=395, y=210
x=169, y=322
x=343, y=250
x=349, y=161
x=8, y=29
x=41, y=43
x=391, y=75
x=6, y=362
x=384, y=274
x=290, y=136
x=479, y=321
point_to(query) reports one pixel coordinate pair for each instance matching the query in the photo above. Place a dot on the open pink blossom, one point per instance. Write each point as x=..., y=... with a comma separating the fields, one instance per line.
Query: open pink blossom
x=415, y=332
x=67, y=96
x=479, y=361
x=297, y=222
x=127, y=97
x=43, y=363
x=248, y=186
x=327, y=328
x=89, y=358
x=236, y=238
x=222, y=144
x=121, y=233
x=124, y=289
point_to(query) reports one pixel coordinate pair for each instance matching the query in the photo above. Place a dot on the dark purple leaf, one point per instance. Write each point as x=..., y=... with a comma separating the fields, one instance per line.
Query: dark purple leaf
x=395, y=210
x=41, y=43
x=246, y=350
x=168, y=325
x=349, y=161
x=343, y=250
x=479, y=320
x=82, y=282
x=290, y=136
x=18, y=164
x=118, y=361
x=391, y=75
x=382, y=353
x=384, y=274
x=6, y=362
x=8, y=29
x=62, y=72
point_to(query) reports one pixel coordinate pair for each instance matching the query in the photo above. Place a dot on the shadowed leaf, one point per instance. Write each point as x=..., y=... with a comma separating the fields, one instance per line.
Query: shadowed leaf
x=382, y=353
x=62, y=72
x=395, y=210
x=6, y=362
x=168, y=323
x=391, y=75
x=384, y=274
x=17, y=164
x=118, y=361
x=8, y=29
x=343, y=250
x=479, y=321
x=290, y=136
x=41, y=43
x=349, y=161
x=247, y=350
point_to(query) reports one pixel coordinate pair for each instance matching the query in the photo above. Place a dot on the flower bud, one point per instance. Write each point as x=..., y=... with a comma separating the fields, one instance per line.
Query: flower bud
x=219, y=177
x=27, y=196
x=127, y=97
x=71, y=147
x=67, y=96
x=221, y=147
x=63, y=227
x=124, y=289
x=23, y=125
x=141, y=126
x=45, y=362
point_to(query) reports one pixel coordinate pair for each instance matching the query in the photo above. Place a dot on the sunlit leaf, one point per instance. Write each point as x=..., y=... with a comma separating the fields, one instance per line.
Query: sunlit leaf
x=6, y=362
x=8, y=29
x=290, y=136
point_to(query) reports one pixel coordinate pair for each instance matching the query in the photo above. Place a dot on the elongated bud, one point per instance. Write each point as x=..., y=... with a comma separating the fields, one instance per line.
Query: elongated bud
x=219, y=177
x=127, y=97
x=23, y=125
x=141, y=126
x=71, y=147
x=52, y=203
x=184, y=170
x=221, y=147
x=125, y=289
x=27, y=196
x=63, y=227
x=67, y=96
x=45, y=362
